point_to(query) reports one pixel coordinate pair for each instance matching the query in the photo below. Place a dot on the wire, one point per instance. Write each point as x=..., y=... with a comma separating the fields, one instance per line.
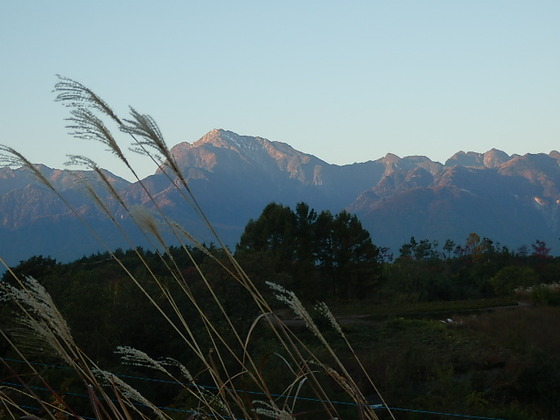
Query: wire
x=164, y=381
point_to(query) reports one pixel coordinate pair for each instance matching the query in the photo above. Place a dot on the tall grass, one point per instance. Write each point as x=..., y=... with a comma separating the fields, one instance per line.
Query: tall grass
x=225, y=352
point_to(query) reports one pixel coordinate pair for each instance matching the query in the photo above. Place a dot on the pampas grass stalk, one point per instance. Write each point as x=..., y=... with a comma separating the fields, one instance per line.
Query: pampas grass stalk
x=227, y=359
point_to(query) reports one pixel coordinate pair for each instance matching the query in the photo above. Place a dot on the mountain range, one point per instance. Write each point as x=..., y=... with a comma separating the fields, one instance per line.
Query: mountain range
x=513, y=200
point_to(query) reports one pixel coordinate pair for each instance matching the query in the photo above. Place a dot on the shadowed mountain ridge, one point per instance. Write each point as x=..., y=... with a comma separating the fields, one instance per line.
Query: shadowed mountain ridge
x=513, y=200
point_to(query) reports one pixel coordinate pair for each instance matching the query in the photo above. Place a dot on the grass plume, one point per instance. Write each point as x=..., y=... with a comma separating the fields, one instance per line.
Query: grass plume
x=223, y=353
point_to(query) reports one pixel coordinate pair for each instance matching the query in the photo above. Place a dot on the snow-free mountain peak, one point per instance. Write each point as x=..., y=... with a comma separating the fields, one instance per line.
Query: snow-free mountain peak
x=227, y=151
x=493, y=158
x=250, y=147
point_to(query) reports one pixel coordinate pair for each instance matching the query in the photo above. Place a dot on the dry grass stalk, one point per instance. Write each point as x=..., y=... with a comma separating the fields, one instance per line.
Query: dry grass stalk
x=88, y=112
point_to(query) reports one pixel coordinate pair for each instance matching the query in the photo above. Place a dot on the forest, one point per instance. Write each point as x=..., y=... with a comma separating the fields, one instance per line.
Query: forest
x=444, y=330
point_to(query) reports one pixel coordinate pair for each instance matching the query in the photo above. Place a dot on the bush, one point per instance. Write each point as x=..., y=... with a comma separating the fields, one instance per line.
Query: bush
x=511, y=277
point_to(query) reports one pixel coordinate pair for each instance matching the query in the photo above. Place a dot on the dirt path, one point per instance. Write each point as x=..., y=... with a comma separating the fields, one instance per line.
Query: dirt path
x=445, y=316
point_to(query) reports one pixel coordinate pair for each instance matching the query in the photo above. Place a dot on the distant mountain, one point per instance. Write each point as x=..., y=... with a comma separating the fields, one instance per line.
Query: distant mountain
x=513, y=200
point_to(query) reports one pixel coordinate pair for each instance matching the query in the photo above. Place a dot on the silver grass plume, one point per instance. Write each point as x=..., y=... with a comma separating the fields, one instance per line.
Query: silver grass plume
x=138, y=358
x=145, y=127
x=345, y=380
x=324, y=310
x=351, y=390
x=128, y=392
x=42, y=317
x=135, y=357
x=147, y=221
x=84, y=124
x=169, y=361
x=95, y=197
x=11, y=157
x=271, y=411
x=290, y=298
x=85, y=161
x=75, y=95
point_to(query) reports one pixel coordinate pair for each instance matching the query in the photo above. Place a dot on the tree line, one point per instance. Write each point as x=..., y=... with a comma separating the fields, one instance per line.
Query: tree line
x=322, y=256
x=325, y=256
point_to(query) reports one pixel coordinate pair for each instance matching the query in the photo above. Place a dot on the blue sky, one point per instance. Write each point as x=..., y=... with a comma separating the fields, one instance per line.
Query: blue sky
x=345, y=81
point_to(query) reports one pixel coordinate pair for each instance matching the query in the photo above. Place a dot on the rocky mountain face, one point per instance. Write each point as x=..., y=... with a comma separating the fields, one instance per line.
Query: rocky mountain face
x=513, y=200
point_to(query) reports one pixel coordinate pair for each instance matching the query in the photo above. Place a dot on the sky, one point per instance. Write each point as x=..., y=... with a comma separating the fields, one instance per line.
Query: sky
x=345, y=81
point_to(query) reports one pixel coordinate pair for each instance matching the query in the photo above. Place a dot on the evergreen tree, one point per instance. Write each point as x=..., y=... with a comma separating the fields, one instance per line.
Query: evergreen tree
x=322, y=255
x=355, y=257
x=272, y=236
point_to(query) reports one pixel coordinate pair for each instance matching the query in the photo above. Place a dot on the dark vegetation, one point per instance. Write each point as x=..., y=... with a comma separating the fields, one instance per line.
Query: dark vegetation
x=459, y=328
